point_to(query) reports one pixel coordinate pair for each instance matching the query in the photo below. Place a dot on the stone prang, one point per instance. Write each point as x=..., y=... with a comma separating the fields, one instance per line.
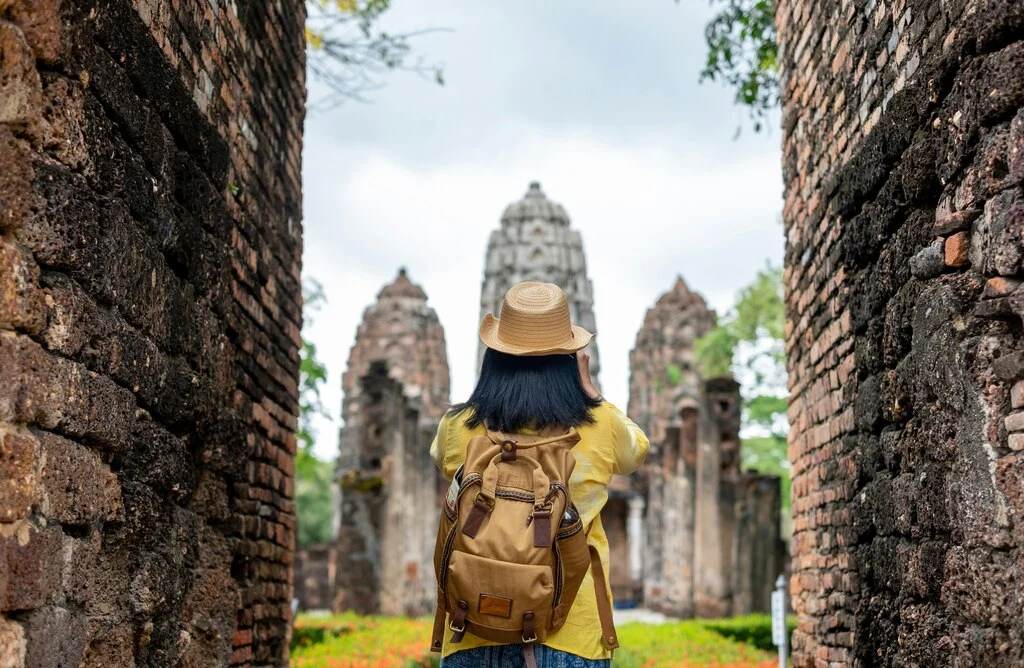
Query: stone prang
x=709, y=531
x=401, y=329
x=536, y=243
x=661, y=366
x=396, y=389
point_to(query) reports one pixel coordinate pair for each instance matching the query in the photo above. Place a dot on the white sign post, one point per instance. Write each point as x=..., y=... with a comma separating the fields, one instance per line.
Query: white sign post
x=779, y=635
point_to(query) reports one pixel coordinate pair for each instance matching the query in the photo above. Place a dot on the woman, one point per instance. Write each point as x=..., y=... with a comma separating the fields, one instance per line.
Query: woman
x=535, y=379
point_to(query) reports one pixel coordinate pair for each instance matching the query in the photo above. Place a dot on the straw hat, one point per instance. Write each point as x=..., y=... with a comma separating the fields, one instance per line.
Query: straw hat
x=534, y=321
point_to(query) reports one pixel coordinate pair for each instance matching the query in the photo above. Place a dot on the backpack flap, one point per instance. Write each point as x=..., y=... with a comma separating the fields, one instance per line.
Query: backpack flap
x=497, y=599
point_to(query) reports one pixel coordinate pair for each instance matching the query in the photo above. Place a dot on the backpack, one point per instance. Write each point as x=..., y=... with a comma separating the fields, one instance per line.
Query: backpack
x=511, y=548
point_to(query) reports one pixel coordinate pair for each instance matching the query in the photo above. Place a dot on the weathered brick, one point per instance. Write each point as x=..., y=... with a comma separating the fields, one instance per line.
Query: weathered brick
x=12, y=643
x=33, y=565
x=39, y=21
x=80, y=489
x=55, y=637
x=927, y=133
x=19, y=474
x=20, y=85
x=956, y=250
x=118, y=321
x=21, y=300
x=1017, y=394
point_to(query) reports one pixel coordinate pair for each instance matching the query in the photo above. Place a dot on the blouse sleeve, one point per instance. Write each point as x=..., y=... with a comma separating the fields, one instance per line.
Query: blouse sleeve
x=630, y=441
x=437, y=447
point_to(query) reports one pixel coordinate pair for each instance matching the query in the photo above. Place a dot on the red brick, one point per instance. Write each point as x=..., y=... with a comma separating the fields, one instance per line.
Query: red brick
x=956, y=250
x=1017, y=394
x=19, y=475
x=33, y=569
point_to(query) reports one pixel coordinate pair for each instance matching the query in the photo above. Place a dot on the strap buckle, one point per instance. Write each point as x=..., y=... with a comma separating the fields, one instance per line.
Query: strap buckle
x=458, y=621
x=529, y=634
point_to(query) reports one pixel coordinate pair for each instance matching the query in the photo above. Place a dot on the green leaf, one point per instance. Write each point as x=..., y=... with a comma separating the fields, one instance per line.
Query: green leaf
x=742, y=52
x=715, y=350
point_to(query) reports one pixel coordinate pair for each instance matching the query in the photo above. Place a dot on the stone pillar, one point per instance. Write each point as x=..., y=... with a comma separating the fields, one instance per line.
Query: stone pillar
x=709, y=581
x=636, y=536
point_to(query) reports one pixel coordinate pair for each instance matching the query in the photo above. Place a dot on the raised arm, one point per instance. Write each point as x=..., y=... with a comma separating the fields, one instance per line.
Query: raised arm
x=630, y=441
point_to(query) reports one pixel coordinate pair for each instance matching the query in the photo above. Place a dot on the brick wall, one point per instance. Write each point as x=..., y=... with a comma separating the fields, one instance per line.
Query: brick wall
x=903, y=138
x=149, y=326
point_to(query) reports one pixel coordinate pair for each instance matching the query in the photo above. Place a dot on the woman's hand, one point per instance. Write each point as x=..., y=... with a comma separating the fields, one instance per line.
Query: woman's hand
x=583, y=362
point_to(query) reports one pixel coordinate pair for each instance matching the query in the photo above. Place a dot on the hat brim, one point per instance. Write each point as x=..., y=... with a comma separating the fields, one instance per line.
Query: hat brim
x=579, y=340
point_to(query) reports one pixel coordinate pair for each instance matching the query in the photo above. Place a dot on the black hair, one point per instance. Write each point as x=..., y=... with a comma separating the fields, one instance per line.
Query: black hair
x=516, y=393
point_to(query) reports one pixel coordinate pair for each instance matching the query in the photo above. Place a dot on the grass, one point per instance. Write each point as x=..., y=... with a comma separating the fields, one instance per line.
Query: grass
x=353, y=641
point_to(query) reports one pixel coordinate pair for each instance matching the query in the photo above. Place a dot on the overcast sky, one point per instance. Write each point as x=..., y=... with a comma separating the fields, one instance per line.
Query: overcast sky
x=599, y=100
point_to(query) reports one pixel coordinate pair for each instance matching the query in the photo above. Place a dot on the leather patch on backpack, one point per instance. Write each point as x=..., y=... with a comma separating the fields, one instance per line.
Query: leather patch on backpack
x=499, y=606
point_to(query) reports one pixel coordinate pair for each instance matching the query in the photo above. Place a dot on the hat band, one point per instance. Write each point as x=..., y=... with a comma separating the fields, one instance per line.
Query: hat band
x=535, y=332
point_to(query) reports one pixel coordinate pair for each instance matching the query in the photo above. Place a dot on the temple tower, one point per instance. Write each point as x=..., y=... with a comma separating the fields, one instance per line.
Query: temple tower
x=535, y=243
x=396, y=389
x=662, y=370
x=711, y=533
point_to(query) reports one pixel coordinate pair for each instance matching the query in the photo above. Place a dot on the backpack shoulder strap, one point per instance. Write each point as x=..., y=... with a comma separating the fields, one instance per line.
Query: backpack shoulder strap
x=437, y=635
x=604, y=604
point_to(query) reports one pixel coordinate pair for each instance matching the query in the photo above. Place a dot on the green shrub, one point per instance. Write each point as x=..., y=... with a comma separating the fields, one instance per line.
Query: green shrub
x=754, y=630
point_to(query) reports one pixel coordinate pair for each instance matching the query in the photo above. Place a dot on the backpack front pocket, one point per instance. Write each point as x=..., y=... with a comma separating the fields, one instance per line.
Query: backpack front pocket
x=501, y=601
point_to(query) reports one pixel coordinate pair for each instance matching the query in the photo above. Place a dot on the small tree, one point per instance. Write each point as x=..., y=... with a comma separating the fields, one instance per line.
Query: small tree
x=748, y=343
x=314, y=477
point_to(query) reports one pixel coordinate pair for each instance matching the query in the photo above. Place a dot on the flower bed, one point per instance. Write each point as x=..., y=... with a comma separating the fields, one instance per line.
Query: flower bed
x=353, y=641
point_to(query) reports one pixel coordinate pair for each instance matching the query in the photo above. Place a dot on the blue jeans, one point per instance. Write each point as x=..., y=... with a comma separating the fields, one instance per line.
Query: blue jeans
x=511, y=656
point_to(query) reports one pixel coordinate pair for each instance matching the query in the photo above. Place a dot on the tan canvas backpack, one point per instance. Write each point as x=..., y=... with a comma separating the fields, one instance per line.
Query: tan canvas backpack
x=511, y=548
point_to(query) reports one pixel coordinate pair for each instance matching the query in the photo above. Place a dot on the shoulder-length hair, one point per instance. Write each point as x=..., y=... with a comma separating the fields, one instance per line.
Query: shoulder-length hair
x=516, y=393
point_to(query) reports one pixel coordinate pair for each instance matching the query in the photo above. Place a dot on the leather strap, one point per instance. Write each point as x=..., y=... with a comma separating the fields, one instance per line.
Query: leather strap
x=437, y=635
x=529, y=628
x=482, y=506
x=604, y=603
x=458, y=623
x=529, y=656
x=542, y=527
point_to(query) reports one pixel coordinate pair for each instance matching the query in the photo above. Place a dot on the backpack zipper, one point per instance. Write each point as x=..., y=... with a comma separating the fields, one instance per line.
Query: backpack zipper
x=556, y=599
x=446, y=553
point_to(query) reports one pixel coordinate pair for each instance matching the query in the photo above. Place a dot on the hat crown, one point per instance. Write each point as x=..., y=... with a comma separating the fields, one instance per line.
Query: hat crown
x=535, y=314
x=535, y=320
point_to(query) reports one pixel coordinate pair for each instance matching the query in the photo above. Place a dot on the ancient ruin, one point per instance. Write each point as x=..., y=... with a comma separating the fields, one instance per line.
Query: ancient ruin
x=535, y=243
x=150, y=242
x=710, y=532
x=903, y=128
x=396, y=389
x=150, y=316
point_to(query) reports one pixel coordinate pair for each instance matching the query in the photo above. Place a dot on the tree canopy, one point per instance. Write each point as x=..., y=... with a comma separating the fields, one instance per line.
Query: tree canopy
x=743, y=53
x=748, y=344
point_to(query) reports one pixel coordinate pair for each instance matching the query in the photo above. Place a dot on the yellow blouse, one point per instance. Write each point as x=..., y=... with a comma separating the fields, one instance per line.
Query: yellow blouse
x=612, y=444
